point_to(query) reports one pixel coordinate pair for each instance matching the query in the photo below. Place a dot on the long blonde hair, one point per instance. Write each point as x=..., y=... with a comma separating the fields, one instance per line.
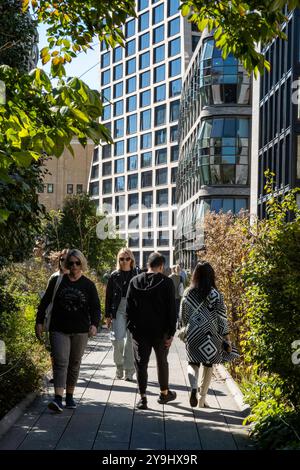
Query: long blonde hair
x=127, y=252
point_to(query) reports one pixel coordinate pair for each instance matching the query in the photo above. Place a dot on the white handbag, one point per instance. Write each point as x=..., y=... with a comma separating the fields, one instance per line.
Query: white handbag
x=48, y=312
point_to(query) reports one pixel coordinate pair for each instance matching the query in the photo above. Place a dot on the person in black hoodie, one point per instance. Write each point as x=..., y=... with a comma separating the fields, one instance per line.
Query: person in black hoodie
x=151, y=316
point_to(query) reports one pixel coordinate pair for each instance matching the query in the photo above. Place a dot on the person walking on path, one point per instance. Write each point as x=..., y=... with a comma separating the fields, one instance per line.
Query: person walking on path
x=76, y=314
x=115, y=313
x=60, y=272
x=183, y=275
x=178, y=286
x=203, y=313
x=151, y=313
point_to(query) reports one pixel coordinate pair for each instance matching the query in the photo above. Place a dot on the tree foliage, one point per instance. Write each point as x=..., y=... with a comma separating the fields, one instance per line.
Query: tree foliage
x=23, y=213
x=75, y=227
x=36, y=116
x=73, y=25
x=18, y=36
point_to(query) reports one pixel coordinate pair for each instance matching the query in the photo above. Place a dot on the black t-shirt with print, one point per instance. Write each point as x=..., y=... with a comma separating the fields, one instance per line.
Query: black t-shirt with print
x=76, y=305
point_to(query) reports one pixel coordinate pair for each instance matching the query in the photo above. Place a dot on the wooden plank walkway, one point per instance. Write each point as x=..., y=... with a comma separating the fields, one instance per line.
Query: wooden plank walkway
x=106, y=418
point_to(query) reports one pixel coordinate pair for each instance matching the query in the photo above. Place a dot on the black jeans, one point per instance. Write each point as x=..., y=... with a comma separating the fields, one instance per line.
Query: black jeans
x=142, y=348
x=177, y=303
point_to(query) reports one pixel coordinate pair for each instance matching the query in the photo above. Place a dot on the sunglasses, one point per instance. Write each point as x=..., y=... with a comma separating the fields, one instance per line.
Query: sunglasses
x=124, y=259
x=71, y=263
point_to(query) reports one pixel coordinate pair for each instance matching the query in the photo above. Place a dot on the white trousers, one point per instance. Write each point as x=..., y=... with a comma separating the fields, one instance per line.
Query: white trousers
x=122, y=342
x=193, y=374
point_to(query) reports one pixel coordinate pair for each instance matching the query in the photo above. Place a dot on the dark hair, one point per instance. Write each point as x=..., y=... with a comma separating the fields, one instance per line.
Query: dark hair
x=203, y=278
x=156, y=259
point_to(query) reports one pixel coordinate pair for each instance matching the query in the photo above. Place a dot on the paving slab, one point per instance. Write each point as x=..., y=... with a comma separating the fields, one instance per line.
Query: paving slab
x=106, y=417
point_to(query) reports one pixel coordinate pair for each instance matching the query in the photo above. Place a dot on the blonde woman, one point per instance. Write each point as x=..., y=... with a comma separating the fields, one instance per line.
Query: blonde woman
x=75, y=316
x=115, y=313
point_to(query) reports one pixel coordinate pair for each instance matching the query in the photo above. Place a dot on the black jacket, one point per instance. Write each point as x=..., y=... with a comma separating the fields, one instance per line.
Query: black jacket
x=114, y=292
x=151, y=309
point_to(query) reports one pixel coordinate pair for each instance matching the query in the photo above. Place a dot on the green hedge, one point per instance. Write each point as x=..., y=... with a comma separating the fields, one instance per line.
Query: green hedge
x=26, y=359
x=271, y=275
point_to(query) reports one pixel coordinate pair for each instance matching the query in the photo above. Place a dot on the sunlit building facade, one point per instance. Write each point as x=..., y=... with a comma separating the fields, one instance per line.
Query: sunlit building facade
x=214, y=142
x=134, y=179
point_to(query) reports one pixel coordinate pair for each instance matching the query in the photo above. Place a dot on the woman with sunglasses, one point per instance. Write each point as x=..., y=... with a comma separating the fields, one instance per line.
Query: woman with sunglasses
x=60, y=272
x=115, y=313
x=75, y=316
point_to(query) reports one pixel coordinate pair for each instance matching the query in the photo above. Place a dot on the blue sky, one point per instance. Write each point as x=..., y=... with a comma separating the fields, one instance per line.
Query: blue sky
x=79, y=65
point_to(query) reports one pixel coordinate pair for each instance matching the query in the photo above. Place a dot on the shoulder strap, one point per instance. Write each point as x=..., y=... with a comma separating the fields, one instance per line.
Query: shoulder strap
x=57, y=284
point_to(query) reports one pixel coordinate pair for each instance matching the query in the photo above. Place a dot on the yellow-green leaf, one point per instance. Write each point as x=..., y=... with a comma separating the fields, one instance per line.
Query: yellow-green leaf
x=185, y=10
x=80, y=115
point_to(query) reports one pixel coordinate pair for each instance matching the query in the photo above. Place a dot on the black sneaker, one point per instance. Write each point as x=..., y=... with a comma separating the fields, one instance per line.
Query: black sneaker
x=193, y=398
x=166, y=398
x=142, y=404
x=56, y=405
x=70, y=403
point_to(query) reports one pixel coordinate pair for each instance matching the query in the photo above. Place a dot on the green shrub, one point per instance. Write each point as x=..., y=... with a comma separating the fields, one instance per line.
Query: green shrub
x=26, y=359
x=272, y=277
x=274, y=427
x=271, y=300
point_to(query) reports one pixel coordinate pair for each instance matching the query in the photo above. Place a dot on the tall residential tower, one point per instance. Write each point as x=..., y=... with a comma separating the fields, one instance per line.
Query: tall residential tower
x=134, y=179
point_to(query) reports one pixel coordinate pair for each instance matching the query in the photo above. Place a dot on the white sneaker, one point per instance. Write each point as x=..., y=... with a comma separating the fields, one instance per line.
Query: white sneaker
x=129, y=375
x=129, y=378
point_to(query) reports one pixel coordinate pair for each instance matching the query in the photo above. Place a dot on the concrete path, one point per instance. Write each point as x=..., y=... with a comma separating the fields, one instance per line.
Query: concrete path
x=106, y=419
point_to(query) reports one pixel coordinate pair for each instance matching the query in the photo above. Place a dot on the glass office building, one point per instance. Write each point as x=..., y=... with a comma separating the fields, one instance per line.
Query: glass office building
x=276, y=118
x=214, y=142
x=134, y=179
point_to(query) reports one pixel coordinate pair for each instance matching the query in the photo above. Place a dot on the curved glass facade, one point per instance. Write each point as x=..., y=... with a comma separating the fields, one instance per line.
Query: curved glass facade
x=213, y=170
x=217, y=155
x=223, y=151
x=222, y=81
x=212, y=81
x=190, y=225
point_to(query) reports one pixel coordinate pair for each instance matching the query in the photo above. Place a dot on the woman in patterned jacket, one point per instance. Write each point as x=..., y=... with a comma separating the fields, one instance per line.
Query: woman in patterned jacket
x=203, y=313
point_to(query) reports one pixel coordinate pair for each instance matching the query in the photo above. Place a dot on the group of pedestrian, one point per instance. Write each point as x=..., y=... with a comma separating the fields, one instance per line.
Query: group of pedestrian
x=142, y=310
